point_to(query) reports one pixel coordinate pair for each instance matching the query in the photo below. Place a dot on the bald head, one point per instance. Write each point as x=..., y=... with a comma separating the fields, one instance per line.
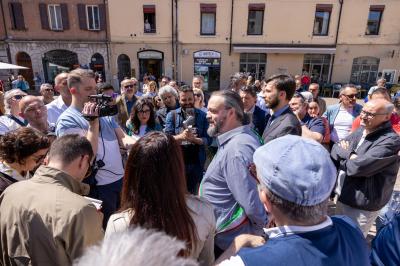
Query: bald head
x=375, y=113
x=25, y=102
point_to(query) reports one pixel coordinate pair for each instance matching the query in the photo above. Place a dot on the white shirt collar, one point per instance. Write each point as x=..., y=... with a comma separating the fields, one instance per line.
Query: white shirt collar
x=293, y=229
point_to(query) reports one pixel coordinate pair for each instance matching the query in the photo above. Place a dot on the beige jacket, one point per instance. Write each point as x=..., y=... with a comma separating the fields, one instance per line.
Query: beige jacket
x=203, y=217
x=45, y=221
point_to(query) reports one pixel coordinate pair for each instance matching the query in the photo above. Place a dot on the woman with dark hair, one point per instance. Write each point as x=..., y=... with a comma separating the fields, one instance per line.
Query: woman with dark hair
x=154, y=196
x=143, y=119
x=21, y=151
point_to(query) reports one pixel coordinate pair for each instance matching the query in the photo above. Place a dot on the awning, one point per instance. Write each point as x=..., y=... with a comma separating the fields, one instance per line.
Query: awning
x=10, y=66
x=284, y=49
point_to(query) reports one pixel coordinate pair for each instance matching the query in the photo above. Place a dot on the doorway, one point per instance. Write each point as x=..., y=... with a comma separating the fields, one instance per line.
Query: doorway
x=23, y=59
x=151, y=62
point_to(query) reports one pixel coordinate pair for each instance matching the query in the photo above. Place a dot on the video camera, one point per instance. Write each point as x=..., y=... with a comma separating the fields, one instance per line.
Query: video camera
x=103, y=104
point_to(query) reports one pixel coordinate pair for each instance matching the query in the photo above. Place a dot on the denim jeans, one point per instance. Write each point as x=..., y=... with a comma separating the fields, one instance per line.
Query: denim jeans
x=110, y=195
x=388, y=211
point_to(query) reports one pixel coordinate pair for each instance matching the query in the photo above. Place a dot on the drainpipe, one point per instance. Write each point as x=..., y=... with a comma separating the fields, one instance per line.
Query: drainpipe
x=176, y=39
x=172, y=40
x=107, y=38
x=336, y=39
x=230, y=33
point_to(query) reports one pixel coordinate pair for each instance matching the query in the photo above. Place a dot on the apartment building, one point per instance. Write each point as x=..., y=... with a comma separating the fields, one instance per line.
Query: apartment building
x=53, y=36
x=334, y=41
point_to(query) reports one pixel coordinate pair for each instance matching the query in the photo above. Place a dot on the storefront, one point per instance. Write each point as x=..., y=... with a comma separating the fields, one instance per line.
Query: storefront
x=318, y=66
x=151, y=62
x=208, y=65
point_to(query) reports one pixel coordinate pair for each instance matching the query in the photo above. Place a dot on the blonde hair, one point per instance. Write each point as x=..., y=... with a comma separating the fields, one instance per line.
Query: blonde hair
x=202, y=103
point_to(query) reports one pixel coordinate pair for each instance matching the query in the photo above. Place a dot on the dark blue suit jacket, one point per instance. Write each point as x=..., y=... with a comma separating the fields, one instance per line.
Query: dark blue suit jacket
x=259, y=120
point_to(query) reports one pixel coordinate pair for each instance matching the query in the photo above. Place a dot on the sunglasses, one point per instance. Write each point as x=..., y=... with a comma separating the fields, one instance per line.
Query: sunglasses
x=18, y=97
x=197, y=95
x=48, y=90
x=130, y=86
x=351, y=96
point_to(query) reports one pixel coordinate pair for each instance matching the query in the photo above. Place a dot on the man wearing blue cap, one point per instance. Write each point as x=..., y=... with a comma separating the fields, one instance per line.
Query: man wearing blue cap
x=296, y=179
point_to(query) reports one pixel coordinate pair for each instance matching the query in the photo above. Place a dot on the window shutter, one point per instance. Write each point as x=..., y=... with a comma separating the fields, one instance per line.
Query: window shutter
x=377, y=8
x=82, y=17
x=257, y=7
x=149, y=9
x=103, y=17
x=17, y=16
x=64, y=16
x=44, y=18
x=209, y=8
x=324, y=7
x=12, y=15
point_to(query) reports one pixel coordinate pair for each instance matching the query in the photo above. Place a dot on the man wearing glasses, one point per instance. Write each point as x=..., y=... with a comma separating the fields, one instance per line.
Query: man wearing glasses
x=12, y=120
x=341, y=116
x=126, y=101
x=47, y=92
x=367, y=162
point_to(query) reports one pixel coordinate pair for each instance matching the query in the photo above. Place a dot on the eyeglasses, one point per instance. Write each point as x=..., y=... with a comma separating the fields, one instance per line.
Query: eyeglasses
x=130, y=86
x=144, y=111
x=371, y=115
x=19, y=97
x=197, y=95
x=48, y=90
x=350, y=96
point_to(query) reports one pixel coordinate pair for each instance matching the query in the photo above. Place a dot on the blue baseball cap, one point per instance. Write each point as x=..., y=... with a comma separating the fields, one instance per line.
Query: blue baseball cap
x=296, y=169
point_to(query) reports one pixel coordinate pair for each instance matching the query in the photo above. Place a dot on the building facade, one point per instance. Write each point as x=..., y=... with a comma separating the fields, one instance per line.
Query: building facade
x=334, y=41
x=53, y=36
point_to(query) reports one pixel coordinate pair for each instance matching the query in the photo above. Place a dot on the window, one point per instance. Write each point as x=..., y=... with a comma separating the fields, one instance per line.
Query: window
x=364, y=70
x=16, y=15
x=208, y=15
x=55, y=17
x=149, y=15
x=256, y=19
x=253, y=64
x=317, y=66
x=322, y=18
x=374, y=20
x=93, y=18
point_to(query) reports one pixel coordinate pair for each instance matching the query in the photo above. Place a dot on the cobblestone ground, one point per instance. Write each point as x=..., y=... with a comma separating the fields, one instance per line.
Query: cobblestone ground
x=372, y=232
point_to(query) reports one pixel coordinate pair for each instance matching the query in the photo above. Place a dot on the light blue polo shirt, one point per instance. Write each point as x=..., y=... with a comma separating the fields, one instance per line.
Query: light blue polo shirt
x=71, y=121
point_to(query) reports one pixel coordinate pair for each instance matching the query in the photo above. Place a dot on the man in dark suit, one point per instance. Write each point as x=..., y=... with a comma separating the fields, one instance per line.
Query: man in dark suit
x=281, y=120
x=248, y=94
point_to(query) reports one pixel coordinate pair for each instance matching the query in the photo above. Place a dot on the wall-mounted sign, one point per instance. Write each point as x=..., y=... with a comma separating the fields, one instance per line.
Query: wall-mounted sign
x=207, y=54
x=150, y=55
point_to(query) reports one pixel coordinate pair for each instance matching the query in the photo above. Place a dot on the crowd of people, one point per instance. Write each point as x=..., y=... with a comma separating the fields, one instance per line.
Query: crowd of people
x=167, y=174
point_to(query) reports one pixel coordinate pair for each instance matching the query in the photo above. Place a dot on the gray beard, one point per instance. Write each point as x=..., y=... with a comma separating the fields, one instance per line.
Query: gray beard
x=215, y=130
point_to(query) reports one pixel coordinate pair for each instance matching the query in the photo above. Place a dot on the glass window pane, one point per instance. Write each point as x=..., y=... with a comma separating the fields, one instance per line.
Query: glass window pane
x=96, y=17
x=373, y=22
x=52, y=18
x=90, y=17
x=321, y=22
x=243, y=68
x=255, y=22
x=58, y=17
x=207, y=23
x=243, y=57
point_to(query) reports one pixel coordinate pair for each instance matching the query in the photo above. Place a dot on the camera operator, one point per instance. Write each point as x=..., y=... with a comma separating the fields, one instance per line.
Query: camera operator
x=82, y=117
x=189, y=127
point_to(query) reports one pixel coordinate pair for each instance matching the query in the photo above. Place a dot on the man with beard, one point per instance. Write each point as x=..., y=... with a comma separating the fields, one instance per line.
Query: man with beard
x=126, y=101
x=189, y=126
x=281, y=121
x=228, y=184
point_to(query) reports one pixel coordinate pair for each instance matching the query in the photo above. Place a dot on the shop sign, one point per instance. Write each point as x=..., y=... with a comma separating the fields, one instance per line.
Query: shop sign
x=150, y=55
x=207, y=54
x=207, y=61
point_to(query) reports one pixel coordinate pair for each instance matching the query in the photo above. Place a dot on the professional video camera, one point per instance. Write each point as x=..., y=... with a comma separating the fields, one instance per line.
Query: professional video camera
x=103, y=103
